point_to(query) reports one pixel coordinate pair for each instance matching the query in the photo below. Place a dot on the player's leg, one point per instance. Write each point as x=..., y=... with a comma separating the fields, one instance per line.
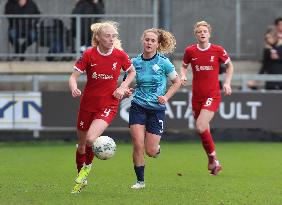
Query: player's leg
x=83, y=124
x=154, y=131
x=84, y=120
x=80, y=152
x=137, y=134
x=80, y=161
x=202, y=126
x=100, y=122
x=152, y=145
x=137, y=118
x=97, y=127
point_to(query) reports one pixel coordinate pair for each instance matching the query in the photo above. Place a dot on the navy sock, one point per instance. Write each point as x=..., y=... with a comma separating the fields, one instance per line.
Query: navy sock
x=139, y=171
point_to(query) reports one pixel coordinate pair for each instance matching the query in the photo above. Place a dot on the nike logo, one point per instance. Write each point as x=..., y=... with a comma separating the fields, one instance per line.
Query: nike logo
x=93, y=64
x=193, y=59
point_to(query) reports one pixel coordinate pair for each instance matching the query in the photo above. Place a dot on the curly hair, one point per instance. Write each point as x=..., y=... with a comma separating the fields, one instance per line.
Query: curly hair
x=96, y=29
x=166, y=40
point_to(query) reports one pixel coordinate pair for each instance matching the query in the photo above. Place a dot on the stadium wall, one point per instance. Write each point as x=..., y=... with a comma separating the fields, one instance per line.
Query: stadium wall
x=242, y=116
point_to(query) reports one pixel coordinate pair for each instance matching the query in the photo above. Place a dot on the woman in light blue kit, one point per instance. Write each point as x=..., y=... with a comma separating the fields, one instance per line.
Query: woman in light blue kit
x=147, y=111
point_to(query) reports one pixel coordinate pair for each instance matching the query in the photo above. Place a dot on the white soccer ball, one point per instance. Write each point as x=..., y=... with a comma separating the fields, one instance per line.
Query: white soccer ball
x=104, y=147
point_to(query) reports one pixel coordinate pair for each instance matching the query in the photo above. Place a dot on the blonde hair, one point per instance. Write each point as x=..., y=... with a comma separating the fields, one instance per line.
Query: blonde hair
x=202, y=23
x=166, y=40
x=96, y=29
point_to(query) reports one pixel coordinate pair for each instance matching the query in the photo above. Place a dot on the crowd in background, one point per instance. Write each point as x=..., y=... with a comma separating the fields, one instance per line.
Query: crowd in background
x=53, y=33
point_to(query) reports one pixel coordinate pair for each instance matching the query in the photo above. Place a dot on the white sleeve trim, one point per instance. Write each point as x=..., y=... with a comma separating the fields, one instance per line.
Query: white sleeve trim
x=184, y=63
x=227, y=61
x=76, y=68
x=128, y=68
x=172, y=75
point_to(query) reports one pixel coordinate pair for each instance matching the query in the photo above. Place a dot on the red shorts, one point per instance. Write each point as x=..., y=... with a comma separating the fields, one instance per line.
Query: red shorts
x=211, y=104
x=85, y=118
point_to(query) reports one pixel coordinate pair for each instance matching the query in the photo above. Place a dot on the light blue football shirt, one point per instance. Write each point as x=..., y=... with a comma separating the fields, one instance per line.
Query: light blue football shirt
x=151, y=80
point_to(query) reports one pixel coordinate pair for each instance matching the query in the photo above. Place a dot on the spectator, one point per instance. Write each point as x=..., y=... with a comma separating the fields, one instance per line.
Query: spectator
x=278, y=26
x=21, y=28
x=272, y=59
x=53, y=34
x=86, y=7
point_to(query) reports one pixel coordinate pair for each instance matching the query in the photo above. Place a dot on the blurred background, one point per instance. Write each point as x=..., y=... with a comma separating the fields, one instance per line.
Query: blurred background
x=41, y=40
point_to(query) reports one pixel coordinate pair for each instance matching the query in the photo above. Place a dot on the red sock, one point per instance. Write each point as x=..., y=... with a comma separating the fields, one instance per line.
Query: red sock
x=207, y=142
x=89, y=154
x=80, y=160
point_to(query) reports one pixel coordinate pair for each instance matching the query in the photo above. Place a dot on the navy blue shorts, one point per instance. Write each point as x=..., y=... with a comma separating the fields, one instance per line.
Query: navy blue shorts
x=152, y=119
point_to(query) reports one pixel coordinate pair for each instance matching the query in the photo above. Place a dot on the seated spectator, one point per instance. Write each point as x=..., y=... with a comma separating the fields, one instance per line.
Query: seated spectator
x=52, y=33
x=86, y=7
x=22, y=31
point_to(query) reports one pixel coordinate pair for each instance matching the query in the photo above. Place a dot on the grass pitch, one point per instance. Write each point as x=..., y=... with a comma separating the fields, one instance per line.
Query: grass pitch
x=38, y=173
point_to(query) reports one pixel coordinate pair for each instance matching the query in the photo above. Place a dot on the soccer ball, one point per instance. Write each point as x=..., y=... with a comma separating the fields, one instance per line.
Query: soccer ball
x=104, y=147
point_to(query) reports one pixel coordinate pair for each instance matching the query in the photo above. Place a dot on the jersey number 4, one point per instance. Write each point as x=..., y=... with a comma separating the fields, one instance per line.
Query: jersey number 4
x=106, y=113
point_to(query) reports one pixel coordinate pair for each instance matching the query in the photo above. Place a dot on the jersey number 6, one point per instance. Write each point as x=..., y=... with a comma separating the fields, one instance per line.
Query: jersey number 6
x=208, y=102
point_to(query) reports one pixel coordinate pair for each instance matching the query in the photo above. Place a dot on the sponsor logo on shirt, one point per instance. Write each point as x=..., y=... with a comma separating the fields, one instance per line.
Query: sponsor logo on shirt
x=203, y=67
x=193, y=59
x=102, y=76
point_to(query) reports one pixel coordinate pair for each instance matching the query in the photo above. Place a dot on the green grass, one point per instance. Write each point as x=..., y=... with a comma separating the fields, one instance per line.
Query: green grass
x=43, y=173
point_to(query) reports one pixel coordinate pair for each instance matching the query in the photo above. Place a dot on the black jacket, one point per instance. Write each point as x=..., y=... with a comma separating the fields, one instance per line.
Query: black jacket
x=87, y=7
x=22, y=24
x=272, y=66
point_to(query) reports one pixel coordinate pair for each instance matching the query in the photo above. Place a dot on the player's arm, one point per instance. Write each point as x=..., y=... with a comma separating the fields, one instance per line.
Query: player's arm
x=183, y=71
x=120, y=91
x=176, y=83
x=73, y=83
x=128, y=91
x=228, y=77
x=129, y=77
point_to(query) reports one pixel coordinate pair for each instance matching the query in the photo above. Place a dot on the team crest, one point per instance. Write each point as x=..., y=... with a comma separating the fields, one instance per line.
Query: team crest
x=156, y=67
x=212, y=59
x=114, y=66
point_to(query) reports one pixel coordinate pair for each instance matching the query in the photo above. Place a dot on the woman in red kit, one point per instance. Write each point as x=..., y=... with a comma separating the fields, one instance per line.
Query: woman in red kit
x=101, y=95
x=205, y=59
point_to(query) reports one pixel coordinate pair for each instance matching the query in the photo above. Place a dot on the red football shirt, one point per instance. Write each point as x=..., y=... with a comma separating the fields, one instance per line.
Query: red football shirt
x=205, y=65
x=102, y=77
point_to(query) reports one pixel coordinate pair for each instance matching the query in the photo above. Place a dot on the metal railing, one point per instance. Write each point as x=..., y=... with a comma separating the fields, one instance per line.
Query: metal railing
x=64, y=36
x=239, y=81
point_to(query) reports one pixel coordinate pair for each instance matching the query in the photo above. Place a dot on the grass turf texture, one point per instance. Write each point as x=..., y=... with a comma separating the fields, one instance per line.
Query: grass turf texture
x=43, y=173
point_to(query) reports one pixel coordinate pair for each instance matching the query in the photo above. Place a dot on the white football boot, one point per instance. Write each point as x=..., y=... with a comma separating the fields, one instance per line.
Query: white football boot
x=138, y=185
